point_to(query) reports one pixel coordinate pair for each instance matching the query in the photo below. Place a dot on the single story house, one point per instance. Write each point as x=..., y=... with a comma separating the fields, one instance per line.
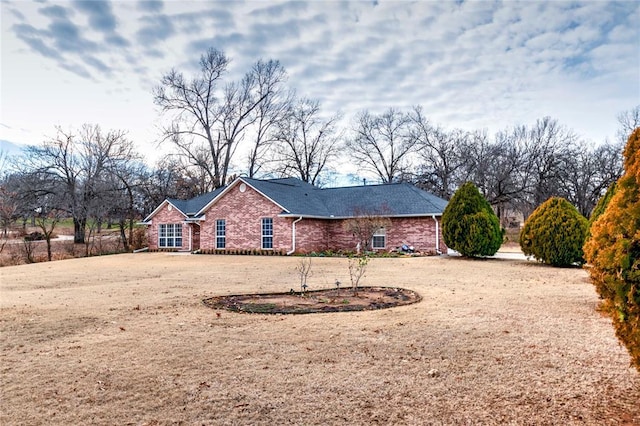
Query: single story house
x=291, y=216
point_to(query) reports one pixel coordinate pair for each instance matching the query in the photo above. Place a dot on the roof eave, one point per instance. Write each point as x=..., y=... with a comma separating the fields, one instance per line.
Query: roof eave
x=308, y=216
x=162, y=204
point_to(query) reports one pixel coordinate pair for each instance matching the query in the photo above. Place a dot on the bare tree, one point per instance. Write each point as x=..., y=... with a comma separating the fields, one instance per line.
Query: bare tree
x=357, y=269
x=442, y=155
x=196, y=110
x=504, y=169
x=4, y=162
x=548, y=142
x=124, y=180
x=382, y=143
x=8, y=208
x=306, y=141
x=76, y=167
x=47, y=222
x=364, y=225
x=303, y=268
x=588, y=172
x=628, y=120
x=276, y=103
x=210, y=120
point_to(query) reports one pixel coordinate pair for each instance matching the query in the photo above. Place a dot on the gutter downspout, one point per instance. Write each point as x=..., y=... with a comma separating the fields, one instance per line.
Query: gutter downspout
x=293, y=236
x=437, y=234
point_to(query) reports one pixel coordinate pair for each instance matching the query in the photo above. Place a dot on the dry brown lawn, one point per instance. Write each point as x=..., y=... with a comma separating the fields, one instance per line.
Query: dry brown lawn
x=126, y=339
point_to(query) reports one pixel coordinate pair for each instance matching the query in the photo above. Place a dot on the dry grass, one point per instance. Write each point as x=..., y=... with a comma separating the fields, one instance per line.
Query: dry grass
x=125, y=339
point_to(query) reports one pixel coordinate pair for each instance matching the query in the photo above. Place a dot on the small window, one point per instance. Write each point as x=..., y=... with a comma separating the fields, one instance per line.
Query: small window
x=170, y=235
x=379, y=239
x=221, y=233
x=267, y=233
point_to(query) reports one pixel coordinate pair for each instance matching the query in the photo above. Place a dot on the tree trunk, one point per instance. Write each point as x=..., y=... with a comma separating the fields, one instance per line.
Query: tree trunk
x=130, y=230
x=79, y=226
x=126, y=247
x=48, y=238
x=123, y=235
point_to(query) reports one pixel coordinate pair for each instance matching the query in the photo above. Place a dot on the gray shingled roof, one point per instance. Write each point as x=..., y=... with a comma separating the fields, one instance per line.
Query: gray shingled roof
x=398, y=199
x=302, y=199
x=194, y=205
x=294, y=195
x=298, y=198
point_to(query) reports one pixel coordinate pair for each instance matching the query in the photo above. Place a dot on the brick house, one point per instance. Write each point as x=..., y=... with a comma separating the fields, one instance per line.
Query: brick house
x=292, y=216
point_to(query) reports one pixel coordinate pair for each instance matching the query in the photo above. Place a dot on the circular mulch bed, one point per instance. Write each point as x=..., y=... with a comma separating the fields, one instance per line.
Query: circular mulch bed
x=332, y=300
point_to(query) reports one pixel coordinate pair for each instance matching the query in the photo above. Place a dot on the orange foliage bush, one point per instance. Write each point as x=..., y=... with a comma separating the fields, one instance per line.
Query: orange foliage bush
x=613, y=250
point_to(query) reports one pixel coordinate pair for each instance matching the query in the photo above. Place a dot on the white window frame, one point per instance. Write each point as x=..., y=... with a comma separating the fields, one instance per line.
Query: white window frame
x=170, y=235
x=266, y=236
x=380, y=233
x=221, y=237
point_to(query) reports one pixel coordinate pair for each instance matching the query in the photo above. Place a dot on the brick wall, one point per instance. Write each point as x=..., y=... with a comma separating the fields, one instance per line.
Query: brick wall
x=243, y=212
x=312, y=235
x=417, y=232
x=317, y=235
x=339, y=238
x=167, y=214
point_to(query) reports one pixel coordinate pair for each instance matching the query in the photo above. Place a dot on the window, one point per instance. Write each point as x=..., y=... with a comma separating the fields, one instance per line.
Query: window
x=221, y=233
x=378, y=240
x=267, y=233
x=170, y=235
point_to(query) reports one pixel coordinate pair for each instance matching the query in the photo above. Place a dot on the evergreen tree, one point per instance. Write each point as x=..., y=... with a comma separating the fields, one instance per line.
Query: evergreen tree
x=614, y=252
x=603, y=202
x=554, y=233
x=469, y=224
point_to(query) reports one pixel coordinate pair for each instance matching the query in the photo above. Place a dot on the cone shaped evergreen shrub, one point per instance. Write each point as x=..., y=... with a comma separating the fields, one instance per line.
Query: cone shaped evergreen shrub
x=554, y=233
x=469, y=225
x=614, y=252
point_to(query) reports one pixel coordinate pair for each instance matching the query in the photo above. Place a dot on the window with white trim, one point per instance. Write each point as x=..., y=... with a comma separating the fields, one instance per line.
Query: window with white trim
x=379, y=239
x=267, y=233
x=221, y=233
x=170, y=235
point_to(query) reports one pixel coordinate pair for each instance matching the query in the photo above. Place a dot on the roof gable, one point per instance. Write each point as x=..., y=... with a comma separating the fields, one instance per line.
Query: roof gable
x=161, y=206
x=220, y=192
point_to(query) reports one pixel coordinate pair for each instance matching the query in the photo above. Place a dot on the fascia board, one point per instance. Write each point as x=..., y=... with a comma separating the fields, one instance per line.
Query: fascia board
x=162, y=204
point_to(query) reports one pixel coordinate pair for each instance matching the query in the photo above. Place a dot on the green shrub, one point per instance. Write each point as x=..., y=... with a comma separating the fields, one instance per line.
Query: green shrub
x=614, y=252
x=469, y=225
x=603, y=202
x=554, y=233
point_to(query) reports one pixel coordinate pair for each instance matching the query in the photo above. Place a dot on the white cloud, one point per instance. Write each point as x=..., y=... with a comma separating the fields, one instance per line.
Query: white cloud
x=472, y=65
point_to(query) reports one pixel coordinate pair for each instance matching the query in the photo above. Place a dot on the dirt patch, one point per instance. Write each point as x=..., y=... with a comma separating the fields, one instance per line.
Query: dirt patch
x=328, y=300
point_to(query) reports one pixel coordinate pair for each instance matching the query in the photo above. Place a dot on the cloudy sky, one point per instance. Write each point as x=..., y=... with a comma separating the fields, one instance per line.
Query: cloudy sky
x=470, y=64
